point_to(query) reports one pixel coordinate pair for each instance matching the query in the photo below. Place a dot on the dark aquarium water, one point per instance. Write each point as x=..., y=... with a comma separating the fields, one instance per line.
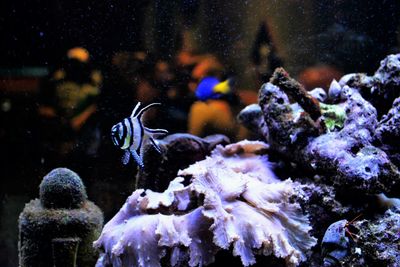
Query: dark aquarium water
x=280, y=119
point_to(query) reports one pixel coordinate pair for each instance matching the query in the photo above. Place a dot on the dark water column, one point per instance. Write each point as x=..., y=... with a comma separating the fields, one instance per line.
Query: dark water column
x=355, y=35
x=224, y=23
x=165, y=28
x=119, y=27
x=130, y=17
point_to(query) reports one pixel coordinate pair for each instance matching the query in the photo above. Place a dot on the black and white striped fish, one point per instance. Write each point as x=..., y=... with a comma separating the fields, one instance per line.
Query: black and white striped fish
x=130, y=134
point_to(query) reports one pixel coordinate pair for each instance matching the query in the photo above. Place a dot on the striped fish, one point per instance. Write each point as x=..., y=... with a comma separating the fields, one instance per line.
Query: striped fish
x=130, y=134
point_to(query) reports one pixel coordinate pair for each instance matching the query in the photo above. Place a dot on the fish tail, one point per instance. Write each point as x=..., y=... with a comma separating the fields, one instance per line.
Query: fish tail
x=223, y=87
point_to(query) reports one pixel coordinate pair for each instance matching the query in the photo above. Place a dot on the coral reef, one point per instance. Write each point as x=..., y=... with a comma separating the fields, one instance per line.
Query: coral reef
x=344, y=148
x=231, y=199
x=323, y=159
x=346, y=156
x=296, y=91
x=319, y=201
x=62, y=224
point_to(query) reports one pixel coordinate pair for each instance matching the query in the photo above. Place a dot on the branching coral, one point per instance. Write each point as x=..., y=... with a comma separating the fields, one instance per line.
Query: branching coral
x=229, y=200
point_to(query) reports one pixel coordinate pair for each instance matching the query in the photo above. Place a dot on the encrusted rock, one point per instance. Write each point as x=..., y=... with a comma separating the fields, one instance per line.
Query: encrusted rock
x=61, y=225
x=287, y=130
x=319, y=201
x=377, y=242
x=62, y=188
x=296, y=91
x=345, y=155
x=388, y=132
x=252, y=118
x=383, y=87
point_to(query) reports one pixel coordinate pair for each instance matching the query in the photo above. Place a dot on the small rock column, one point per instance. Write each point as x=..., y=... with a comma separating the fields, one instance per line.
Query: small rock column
x=59, y=228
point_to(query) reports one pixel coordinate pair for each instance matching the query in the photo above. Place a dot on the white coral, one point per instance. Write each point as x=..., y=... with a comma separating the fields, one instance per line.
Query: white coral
x=233, y=199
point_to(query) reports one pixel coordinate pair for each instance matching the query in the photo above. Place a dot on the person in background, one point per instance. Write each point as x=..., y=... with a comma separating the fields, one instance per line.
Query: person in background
x=68, y=99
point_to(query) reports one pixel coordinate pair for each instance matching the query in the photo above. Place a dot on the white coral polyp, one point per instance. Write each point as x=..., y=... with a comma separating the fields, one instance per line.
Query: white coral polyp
x=233, y=200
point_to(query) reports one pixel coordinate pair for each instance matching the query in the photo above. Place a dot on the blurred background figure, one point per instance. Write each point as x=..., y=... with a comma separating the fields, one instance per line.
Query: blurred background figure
x=171, y=82
x=67, y=106
x=319, y=76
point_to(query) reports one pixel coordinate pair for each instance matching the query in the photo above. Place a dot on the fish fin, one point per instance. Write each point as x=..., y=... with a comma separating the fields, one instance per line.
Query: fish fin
x=222, y=87
x=135, y=109
x=125, y=157
x=156, y=131
x=155, y=145
x=140, y=113
x=137, y=158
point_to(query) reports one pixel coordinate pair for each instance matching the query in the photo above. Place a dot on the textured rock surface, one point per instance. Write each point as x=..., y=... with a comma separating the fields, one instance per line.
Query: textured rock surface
x=319, y=201
x=383, y=87
x=348, y=155
x=297, y=92
x=252, y=118
x=388, y=132
x=231, y=200
x=62, y=188
x=376, y=241
x=40, y=227
x=379, y=239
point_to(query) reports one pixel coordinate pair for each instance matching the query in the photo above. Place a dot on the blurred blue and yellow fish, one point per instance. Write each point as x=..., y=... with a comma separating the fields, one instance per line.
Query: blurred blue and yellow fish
x=212, y=88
